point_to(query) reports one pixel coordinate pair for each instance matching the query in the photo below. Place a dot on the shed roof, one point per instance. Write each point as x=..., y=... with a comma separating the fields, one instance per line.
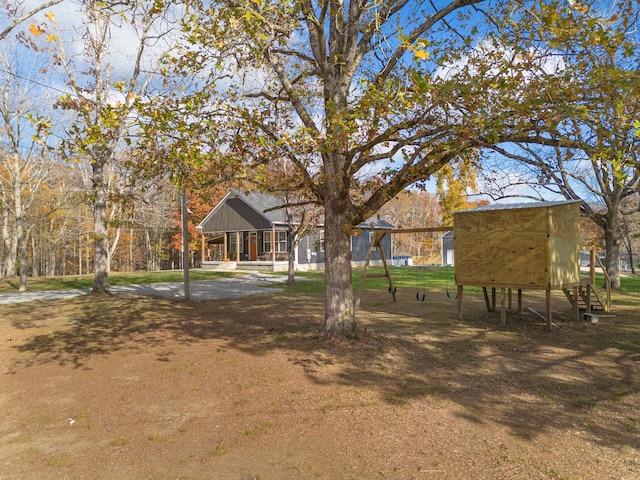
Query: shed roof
x=521, y=205
x=375, y=222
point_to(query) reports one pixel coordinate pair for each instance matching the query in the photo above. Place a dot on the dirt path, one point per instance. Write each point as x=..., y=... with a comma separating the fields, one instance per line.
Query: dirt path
x=236, y=287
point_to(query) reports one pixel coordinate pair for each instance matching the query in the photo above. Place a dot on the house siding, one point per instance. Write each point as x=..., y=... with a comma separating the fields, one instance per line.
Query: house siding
x=236, y=215
x=309, y=252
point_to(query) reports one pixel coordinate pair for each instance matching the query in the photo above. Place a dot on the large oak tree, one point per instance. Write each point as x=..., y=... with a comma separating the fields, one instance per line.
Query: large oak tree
x=354, y=93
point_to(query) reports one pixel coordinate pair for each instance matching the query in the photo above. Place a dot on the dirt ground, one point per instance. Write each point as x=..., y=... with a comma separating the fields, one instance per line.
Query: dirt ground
x=133, y=387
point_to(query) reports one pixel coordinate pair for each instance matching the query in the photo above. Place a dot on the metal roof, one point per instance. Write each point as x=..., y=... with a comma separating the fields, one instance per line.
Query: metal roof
x=514, y=206
x=271, y=208
x=375, y=222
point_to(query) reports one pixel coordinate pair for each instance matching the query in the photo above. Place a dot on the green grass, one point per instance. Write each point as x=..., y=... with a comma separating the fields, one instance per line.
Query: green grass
x=403, y=277
x=68, y=282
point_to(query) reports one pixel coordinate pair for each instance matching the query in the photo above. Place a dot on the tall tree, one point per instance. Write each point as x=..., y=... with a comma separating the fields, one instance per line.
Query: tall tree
x=581, y=143
x=103, y=105
x=23, y=159
x=352, y=92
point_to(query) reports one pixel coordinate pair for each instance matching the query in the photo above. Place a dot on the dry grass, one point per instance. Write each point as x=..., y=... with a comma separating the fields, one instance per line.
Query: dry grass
x=248, y=389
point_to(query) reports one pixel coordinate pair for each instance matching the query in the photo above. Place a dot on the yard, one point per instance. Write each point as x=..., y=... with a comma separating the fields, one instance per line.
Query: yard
x=138, y=387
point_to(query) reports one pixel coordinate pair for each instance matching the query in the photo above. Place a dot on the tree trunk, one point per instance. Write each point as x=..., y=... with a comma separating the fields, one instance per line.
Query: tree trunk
x=20, y=226
x=292, y=245
x=612, y=248
x=10, y=245
x=101, y=242
x=339, y=320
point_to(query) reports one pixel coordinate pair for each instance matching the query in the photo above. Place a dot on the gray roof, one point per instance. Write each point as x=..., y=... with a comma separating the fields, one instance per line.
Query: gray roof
x=375, y=222
x=509, y=206
x=271, y=206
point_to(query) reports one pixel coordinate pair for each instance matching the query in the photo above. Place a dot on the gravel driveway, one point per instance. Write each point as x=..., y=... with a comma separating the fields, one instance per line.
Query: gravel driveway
x=252, y=283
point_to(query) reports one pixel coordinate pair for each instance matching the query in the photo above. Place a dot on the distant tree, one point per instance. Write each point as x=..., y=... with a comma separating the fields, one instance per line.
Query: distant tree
x=24, y=162
x=413, y=209
x=301, y=210
x=454, y=185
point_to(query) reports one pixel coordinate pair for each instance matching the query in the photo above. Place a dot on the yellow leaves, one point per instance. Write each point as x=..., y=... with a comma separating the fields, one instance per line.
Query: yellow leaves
x=580, y=7
x=51, y=17
x=36, y=30
x=419, y=49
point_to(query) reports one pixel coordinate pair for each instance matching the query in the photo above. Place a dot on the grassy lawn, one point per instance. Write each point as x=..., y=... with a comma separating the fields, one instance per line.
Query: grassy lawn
x=68, y=282
x=403, y=278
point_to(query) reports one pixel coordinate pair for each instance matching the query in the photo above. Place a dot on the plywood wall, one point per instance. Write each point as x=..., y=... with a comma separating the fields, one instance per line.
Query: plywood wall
x=517, y=248
x=564, y=244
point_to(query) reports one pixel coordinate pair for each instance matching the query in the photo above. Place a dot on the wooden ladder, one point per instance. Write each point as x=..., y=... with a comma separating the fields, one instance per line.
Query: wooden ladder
x=587, y=297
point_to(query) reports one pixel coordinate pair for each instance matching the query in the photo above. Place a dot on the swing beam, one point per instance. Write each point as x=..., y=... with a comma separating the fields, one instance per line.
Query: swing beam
x=376, y=241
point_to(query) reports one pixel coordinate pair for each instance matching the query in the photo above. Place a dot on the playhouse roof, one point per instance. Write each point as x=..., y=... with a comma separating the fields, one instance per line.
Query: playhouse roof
x=521, y=205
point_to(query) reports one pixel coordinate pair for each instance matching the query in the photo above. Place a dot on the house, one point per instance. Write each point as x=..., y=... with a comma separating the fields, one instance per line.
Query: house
x=446, y=248
x=250, y=231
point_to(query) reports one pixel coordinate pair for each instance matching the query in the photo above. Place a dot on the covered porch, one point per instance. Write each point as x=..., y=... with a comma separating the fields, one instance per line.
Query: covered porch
x=245, y=250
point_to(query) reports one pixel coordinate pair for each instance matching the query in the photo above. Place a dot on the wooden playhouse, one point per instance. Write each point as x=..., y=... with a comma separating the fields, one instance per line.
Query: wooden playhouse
x=520, y=246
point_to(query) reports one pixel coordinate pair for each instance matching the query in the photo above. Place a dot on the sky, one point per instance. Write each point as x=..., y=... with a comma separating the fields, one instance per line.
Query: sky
x=67, y=22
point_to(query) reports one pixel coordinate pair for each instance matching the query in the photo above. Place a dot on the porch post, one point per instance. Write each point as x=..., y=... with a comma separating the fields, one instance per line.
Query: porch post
x=273, y=244
x=237, y=246
x=225, y=254
x=202, y=246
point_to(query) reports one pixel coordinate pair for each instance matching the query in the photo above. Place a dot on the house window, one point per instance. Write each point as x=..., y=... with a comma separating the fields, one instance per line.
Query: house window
x=321, y=240
x=232, y=242
x=266, y=242
x=281, y=241
x=371, y=234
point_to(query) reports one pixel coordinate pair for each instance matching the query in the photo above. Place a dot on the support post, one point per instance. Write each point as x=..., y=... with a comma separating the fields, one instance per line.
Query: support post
x=486, y=298
x=460, y=302
x=548, y=308
x=185, y=245
x=519, y=301
x=503, y=308
x=273, y=245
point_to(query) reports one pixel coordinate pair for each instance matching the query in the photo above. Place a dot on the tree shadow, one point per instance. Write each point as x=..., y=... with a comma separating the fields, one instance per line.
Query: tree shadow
x=519, y=376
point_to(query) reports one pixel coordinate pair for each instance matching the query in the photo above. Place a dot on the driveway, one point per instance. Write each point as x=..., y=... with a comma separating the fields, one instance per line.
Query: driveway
x=252, y=283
